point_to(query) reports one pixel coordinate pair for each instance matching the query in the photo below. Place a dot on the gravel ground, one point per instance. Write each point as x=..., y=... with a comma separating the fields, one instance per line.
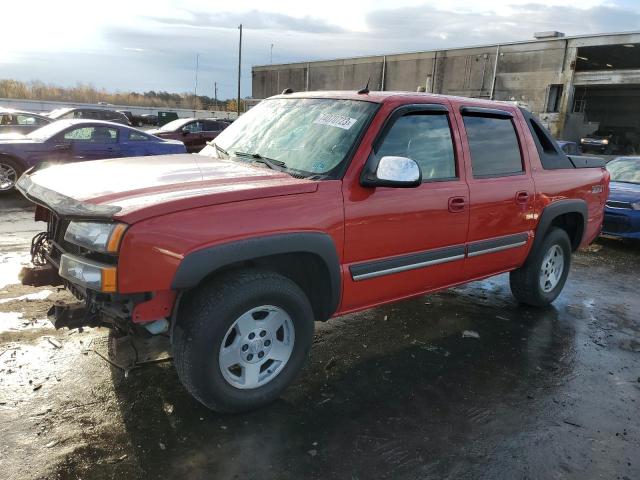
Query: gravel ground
x=461, y=384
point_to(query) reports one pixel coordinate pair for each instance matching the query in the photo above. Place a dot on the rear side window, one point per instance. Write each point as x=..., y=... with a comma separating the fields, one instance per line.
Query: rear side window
x=426, y=139
x=551, y=155
x=138, y=137
x=495, y=151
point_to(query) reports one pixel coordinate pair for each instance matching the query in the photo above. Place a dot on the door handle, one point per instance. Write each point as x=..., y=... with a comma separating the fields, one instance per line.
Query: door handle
x=522, y=197
x=457, y=204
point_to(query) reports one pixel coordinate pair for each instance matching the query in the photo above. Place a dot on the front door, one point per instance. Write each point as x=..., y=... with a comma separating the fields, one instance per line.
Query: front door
x=400, y=242
x=501, y=188
x=92, y=142
x=194, y=138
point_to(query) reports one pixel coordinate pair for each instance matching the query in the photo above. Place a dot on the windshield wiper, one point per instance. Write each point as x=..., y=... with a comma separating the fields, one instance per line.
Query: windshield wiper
x=218, y=148
x=269, y=162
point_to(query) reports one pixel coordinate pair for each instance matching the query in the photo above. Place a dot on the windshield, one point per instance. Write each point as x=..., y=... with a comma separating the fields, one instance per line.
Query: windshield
x=174, y=125
x=625, y=170
x=304, y=135
x=48, y=131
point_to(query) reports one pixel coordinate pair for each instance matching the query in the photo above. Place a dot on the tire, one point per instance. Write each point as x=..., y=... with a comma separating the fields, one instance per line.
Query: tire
x=10, y=172
x=538, y=283
x=216, y=318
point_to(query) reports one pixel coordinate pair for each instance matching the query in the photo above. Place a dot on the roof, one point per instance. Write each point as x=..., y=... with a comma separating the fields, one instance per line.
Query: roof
x=20, y=112
x=381, y=96
x=448, y=49
x=88, y=121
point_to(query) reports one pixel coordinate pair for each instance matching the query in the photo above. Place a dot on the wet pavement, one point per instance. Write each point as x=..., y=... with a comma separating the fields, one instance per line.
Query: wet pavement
x=461, y=384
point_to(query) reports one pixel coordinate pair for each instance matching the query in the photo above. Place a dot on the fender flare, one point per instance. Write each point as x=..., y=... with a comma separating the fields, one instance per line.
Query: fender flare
x=553, y=211
x=197, y=265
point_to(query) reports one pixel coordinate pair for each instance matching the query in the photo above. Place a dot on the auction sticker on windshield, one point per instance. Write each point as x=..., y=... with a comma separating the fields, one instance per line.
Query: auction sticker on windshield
x=335, y=120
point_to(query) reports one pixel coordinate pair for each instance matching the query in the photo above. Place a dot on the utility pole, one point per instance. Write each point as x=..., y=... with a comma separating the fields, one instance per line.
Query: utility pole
x=239, y=69
x=215, y=94
x=271, y=55
x=195, y=88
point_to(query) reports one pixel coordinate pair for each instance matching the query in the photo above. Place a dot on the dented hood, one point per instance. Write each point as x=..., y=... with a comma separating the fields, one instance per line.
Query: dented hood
x=135, y=188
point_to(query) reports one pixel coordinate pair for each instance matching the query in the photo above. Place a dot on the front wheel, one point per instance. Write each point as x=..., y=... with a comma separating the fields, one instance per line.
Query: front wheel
x=541, y=279
x=10, y=172
x=241, y=339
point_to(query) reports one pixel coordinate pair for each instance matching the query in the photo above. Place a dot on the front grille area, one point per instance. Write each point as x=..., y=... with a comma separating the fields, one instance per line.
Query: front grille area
x=615, y=204
x=56, y=229
x=616, y=224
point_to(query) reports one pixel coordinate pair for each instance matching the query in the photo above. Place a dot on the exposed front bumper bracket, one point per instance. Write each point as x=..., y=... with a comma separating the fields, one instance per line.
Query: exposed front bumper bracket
x=73, y=315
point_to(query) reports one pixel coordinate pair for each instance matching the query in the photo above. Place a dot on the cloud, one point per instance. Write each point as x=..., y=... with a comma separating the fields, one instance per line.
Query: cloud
x=432, y=28
x=159, y=53
x=255, y=20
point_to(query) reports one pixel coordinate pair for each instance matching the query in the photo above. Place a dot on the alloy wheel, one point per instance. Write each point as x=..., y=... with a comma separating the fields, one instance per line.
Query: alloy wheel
x=257, y=347
x=552, y=268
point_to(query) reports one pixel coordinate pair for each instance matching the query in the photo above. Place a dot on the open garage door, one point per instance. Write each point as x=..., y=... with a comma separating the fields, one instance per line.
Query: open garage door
x=606, y=112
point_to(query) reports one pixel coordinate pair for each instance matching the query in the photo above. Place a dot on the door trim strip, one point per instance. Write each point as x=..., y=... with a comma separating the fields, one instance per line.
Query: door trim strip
x=427, y=258
x=363, y=271
x=497, y=244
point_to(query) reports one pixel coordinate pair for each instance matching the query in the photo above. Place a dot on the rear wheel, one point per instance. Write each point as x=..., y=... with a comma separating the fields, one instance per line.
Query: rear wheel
x=541, y=279
x=241, y=339
x=10, y=171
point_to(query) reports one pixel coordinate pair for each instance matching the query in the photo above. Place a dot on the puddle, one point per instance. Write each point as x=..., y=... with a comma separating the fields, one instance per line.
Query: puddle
x=10, y=266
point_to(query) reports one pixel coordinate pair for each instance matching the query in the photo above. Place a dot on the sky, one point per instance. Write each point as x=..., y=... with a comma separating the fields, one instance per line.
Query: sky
x=141, y=45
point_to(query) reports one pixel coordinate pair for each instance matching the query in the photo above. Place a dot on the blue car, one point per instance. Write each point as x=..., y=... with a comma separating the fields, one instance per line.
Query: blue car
x=73, y=141
x=622, y=211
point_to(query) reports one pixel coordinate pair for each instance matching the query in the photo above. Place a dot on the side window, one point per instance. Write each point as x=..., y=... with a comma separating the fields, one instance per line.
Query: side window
x=92, y=135
x=494, y=146
x=8, y=120
x=137, y=136
x=27, y=120
x=194, y=127
x=210, y=126
x=425, y=138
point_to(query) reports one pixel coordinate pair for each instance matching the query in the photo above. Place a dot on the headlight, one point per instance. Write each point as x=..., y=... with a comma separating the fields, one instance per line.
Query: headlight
x=89, y=274
x=635, y=206
x=582, y=140
x=605, y=142
x=96, y=236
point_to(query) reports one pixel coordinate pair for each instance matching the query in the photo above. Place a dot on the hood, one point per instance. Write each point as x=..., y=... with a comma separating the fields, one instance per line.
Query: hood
x=140, y=187
x=624, y=192
x=14, y=137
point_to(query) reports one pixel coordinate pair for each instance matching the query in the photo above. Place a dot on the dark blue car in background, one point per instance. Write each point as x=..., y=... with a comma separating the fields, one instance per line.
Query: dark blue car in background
x=76, y=140
x=622, y=211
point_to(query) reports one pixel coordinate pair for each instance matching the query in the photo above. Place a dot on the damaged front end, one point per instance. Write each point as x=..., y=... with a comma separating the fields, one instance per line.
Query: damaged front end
x=79, y=250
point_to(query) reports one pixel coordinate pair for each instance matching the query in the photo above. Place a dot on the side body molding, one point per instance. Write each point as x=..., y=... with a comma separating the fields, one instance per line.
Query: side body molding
x=553, y=211
x=197, y=265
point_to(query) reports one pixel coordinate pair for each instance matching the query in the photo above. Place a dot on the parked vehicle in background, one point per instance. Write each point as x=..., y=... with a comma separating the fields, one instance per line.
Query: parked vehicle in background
x=194, y=132
x=607, y=142
x=134, y=120
x=18, y=121
x=149, y=119
x=76, y=140
x=568, y=147
x=622, y=211
x=310, y=206
x=89, y=114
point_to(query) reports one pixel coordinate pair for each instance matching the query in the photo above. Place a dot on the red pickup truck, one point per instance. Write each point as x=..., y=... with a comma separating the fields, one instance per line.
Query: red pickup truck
x=310, y=206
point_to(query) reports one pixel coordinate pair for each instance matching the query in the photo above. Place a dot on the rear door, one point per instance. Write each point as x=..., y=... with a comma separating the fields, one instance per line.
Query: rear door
x=403, y=241
x=211, y=129
x=501, y=190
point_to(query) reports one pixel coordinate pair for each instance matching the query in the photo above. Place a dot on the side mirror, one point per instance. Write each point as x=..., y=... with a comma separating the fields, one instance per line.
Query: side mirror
x=185, y=131
x=399, y=172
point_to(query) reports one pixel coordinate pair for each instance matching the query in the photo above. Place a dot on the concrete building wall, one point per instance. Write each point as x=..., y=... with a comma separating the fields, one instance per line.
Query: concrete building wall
x=521, y=72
